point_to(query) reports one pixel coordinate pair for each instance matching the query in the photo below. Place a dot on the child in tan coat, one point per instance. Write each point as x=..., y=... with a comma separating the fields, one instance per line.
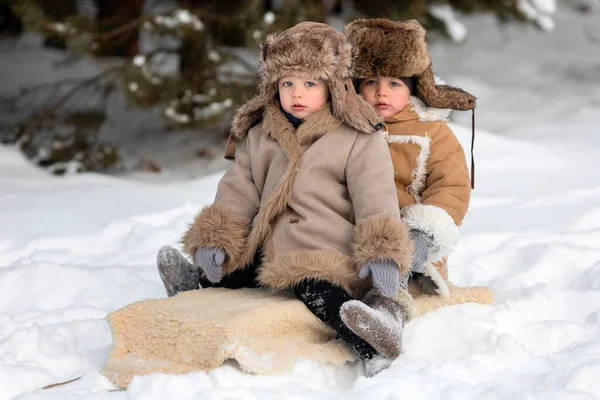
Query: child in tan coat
x=392, y=72
x=309, y=205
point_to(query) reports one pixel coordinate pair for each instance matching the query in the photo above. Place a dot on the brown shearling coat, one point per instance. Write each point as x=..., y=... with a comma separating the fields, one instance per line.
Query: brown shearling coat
x=318, y=201
x=431, y=176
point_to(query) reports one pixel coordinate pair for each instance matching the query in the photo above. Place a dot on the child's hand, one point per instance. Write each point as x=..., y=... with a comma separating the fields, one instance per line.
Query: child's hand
x=210, y=260
x=385, y=275
x=423, y=245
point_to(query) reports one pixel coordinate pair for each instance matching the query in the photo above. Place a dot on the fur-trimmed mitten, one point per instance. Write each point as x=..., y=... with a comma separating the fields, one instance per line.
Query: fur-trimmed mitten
x=210, y=260
x=177, y=273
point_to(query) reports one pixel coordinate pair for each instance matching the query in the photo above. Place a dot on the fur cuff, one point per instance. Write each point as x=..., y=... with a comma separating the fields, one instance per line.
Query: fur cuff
x=440, y=284
x=380, y=237
x=290, y=269
x=436, y=222
x=215, y=226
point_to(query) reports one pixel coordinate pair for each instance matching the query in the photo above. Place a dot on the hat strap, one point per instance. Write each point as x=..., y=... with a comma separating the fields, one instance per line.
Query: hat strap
x=230, y=148
x=472, y=148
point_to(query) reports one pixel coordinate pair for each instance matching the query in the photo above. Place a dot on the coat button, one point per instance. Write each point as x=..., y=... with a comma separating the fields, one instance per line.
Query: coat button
x=294, y=220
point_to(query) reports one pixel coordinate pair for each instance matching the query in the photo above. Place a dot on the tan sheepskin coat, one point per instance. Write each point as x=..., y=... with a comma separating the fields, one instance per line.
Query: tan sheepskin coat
x=318, y=202
x=431, y=176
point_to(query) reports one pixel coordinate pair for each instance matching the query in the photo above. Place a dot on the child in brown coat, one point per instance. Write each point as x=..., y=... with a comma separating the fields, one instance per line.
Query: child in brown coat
x=392, y=72
x=309, y=205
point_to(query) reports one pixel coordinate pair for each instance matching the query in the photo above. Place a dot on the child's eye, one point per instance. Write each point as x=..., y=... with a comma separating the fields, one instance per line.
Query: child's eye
x=370, y=82
x=310, y=84
x=286, y=84
x=394, y=84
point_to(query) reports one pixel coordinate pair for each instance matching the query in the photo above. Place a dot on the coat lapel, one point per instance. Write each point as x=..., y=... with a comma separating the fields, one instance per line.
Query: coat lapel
x=293, y=143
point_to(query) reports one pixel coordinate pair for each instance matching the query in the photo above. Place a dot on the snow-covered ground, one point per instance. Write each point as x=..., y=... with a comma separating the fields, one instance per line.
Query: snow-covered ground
x=73, y=249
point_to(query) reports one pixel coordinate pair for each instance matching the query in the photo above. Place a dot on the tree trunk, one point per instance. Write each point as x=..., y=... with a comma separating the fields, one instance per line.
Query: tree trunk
x=113, y=14
x=222, y=29
x=10, y=23
x=194, y=66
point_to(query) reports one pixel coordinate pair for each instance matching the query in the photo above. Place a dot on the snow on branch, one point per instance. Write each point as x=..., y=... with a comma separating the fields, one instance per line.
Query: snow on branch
x=538, y=11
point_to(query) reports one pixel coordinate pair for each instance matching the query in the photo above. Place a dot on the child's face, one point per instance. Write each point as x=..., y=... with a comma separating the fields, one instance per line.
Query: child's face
x=302, y=96
x=388, y=95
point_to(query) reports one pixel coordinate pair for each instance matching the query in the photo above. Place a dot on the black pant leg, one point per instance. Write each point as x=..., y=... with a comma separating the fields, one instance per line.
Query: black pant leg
x=325, y=299
x=246, y=277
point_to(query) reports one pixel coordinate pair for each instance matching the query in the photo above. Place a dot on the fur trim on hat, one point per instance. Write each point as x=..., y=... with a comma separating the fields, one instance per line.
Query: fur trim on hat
x=387, y=48
x=307, y=49
x=398, y=49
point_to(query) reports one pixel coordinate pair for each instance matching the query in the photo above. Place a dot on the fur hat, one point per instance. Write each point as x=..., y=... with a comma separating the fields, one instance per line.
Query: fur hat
x=388, y=48
x=316, y=50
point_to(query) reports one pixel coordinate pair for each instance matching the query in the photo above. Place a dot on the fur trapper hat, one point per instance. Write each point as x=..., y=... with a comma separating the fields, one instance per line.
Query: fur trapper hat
x=310, y=49
x=398, y=49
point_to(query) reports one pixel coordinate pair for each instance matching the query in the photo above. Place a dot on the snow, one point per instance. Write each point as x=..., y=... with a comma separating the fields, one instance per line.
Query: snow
x=73, y=249
x=214, y=56
x=455, y=29
x=539, y=11
x=139, y=60
x=269, y=18
x=140, y=134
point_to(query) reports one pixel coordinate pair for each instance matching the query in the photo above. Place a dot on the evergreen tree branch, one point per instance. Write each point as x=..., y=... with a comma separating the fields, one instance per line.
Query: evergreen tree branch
x=36, y=121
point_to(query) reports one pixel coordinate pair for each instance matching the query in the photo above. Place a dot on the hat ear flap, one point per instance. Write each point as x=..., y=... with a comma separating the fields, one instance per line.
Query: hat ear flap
x=251, y=113
x=264, y=51
x=351, y=109
x=266, y=45
x=442, y=96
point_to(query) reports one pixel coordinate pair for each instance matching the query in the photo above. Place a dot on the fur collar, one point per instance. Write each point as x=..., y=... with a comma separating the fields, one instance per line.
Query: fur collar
x=276, y=125
x=428, y=114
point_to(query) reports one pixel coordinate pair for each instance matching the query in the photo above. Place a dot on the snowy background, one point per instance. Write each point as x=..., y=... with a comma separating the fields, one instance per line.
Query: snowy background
x=73, y=249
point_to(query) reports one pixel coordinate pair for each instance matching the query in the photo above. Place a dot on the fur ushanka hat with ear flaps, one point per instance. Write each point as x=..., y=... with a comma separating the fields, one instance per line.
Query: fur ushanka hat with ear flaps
x=398, y=49
x=313, y=50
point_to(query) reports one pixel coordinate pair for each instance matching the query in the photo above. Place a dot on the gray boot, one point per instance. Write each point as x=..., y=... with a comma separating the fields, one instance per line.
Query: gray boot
x=379, y=320
x=176, y=272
